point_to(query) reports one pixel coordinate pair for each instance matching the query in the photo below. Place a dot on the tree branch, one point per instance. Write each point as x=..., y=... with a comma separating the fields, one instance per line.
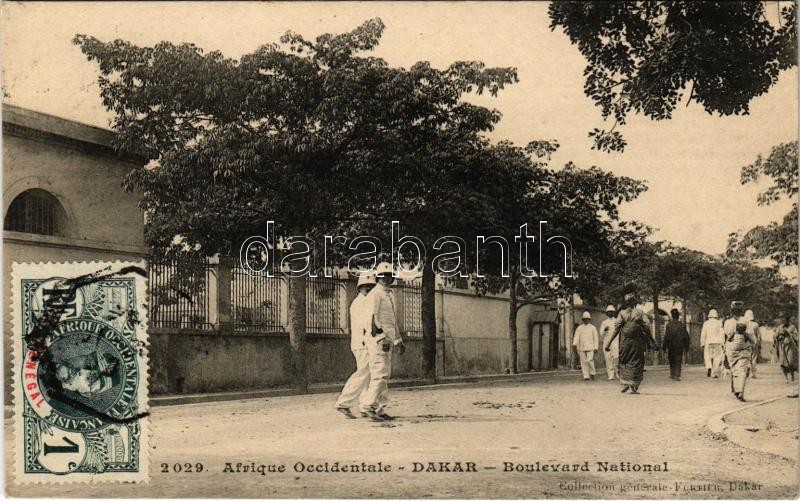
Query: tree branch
x=538, y=299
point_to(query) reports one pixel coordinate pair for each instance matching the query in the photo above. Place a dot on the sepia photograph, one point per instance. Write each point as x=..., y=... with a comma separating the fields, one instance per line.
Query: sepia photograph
x=400, y=250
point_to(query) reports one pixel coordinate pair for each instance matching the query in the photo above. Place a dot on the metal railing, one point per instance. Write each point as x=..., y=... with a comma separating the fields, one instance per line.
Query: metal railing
x=189, y=294
x=410, y=297
x=179, y=293
x=255, y=302
x=322, y=305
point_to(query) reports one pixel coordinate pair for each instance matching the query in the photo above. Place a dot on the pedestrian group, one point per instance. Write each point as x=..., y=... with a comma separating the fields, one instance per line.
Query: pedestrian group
x=374, y=335
x=730, y=348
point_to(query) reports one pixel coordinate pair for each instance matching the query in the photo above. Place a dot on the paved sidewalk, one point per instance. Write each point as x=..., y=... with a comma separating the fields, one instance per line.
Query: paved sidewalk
x=450, y=381
x=770, y=427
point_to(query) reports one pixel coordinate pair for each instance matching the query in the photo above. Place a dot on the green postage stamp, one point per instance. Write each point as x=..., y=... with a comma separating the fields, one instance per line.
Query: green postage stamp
x=80, y=371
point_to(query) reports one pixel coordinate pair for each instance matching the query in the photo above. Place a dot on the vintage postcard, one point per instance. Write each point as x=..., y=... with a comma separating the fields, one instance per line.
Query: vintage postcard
x=400, y=250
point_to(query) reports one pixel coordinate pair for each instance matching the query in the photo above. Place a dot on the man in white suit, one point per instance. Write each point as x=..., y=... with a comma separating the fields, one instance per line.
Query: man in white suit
x=612, y=354
x=711, y=339
x=586, y=343
x=360, y=335
x=385, y=337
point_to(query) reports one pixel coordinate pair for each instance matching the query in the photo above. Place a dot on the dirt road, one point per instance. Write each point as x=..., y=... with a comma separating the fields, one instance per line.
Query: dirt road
x=553, y=422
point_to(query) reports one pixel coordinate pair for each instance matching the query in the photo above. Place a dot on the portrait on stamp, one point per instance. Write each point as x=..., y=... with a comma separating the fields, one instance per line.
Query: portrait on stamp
x=80, y=371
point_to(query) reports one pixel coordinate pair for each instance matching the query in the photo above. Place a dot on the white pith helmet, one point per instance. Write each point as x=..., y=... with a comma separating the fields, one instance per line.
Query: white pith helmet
x=610, y=308
x=586, y=315
x=365, y=279
x=713, y=314
x=749, y=315
x=384, y=269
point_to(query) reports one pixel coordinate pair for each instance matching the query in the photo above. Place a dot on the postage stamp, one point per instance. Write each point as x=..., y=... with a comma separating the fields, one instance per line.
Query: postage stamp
x=80, y=371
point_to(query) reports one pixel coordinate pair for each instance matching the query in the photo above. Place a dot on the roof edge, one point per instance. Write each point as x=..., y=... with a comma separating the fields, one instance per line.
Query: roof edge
x=24, y=122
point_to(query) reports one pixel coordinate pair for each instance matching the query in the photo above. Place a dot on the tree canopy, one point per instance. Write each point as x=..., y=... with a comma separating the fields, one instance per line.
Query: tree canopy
x=777, y=240
x=304, y=133
x=314, y=135
x=644, y=56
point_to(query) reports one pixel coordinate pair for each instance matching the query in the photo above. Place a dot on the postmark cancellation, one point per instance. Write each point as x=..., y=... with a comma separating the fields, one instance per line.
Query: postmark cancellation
x=80, y=371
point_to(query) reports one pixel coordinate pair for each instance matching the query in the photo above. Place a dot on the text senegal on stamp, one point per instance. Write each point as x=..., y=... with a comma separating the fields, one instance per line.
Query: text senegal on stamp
x=80, y=371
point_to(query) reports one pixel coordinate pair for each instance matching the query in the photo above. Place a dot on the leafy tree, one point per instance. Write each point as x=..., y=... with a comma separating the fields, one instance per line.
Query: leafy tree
x=643, y=55
x=450, y=191
x=776, y=241
x=762, y=289
x=579, y=204
x=436, y=181
x=654, y=270
x=309, y=134
x=286, y=133
x=658, y=270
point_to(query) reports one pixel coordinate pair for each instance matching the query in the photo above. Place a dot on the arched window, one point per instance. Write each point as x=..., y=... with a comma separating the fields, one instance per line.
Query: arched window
x=36, y=211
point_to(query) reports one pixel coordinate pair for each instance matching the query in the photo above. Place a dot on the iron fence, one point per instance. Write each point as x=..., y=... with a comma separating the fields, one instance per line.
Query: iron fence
x=322, y=305
x=411, y=298
x=255, y=301
x=179, y=293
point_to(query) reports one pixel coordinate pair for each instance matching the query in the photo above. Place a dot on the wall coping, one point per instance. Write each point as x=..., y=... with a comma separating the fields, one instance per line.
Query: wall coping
x=72, y=243
x=174, y=331
x=37, y=126
x=496, y=297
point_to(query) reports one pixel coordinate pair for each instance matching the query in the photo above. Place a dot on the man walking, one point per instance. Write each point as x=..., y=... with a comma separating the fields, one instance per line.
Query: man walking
x=753, y=325
x=711, y=339
x=385, y=335
x=612, y=354
x=586, y=344
x=676, y=341
x=360, y=334
x=785, y=346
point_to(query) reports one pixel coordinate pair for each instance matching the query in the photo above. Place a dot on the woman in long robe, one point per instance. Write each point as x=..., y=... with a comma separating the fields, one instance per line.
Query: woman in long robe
x=785, y=342
x=739, y=342
x=632, y=329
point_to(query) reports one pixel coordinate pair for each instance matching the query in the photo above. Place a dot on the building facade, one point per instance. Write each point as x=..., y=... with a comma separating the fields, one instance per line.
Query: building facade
x=63, y=198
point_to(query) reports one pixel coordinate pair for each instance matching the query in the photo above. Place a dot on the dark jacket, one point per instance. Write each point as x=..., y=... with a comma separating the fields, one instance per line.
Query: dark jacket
x=676, y=337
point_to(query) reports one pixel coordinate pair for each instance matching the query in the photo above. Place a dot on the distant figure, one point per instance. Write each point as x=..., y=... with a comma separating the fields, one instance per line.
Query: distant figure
x=711, y=340
x=586, y=343
x=634, y=338
x=611, y=356
x=785, y=343
x=753, y=325
x=739, y=341
x=676, y=341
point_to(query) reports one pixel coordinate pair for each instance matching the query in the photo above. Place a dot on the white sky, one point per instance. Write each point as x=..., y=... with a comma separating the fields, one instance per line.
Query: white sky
x=691, y=163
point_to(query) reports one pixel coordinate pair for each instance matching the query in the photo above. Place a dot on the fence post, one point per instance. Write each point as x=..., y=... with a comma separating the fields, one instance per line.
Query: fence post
x=400, y=308
x=284, y=294
x=296, y=326
x=223, y=295
x=344, y=310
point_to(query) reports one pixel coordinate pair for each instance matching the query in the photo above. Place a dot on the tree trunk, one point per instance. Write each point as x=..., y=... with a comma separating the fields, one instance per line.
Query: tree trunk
x=297, y=331
x=657, y=326
x=428, y=322
x=512, y=321
x=569, y=331
x=684, y=309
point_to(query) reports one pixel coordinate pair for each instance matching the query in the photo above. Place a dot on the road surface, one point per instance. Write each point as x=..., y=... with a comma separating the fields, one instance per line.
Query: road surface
x=555, y=421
